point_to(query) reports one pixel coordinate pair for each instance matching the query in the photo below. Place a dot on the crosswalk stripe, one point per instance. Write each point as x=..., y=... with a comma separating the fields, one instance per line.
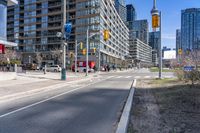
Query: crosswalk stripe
x=128, y=77
x=118, y=77
x=110, y=76
x=146, y=77
x=137, y=77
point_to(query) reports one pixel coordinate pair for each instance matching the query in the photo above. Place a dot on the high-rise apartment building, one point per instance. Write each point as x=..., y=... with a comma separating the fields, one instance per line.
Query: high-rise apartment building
x=121, y=9
x=178, y=40
x=131, y=15
x=141, y=30
x=190, y=29
x=140, y=52
x=37, y=23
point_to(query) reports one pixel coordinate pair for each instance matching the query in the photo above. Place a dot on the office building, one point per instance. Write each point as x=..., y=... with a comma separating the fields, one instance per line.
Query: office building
x=154, y=38
x=178, y=40
x=3, y=24
x=131, y=16
x=190, y=29
x=140, y=52
x=37, y=23
x=141, y=30
x=121, y=9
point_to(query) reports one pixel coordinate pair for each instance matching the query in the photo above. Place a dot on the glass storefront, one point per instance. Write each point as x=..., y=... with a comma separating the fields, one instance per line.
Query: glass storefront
x=3, y=19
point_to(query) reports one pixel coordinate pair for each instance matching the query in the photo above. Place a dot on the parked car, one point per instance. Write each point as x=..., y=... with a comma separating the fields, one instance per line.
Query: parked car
x=31, y=66
x=53, y=68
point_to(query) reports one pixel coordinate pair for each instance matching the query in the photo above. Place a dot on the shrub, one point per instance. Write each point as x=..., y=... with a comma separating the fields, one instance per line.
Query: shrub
x=180, y=74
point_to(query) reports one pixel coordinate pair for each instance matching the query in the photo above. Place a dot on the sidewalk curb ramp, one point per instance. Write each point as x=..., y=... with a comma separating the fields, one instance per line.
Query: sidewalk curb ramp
x=52, y=87
x=124, y=119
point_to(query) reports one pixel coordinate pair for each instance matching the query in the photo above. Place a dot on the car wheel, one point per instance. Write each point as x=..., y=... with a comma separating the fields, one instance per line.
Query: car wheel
x=55, y=70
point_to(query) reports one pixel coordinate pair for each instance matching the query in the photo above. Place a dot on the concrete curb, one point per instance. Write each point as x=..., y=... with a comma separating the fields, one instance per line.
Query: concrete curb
x=124, y=120
x=31, y=92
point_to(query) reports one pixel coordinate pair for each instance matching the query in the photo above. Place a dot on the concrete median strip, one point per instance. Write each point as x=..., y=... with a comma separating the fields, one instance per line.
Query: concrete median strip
x=35, y=91
x=124, y=120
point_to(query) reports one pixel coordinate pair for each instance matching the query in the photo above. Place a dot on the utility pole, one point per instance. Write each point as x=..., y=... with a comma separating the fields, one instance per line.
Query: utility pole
x=63, y=73
x=87, y=52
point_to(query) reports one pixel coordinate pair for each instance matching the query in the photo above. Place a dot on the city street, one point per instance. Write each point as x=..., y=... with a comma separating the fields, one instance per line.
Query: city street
x=86, y=107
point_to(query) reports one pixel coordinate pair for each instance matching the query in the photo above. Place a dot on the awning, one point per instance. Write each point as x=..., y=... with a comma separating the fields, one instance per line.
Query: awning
x=8, y=44
x=11, y=2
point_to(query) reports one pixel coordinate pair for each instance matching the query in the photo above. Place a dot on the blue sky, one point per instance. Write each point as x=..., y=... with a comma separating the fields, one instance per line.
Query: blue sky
x=171, y=15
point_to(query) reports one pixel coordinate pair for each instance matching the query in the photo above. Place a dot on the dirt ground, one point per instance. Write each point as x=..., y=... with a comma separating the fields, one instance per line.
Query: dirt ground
x=167, y=106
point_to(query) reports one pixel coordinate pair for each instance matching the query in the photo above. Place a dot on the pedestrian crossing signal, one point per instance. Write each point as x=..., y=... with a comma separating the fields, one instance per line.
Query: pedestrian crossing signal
x=81, y=45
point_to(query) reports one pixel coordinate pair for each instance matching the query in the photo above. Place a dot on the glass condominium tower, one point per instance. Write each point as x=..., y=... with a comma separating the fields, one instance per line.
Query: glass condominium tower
x=190, y=29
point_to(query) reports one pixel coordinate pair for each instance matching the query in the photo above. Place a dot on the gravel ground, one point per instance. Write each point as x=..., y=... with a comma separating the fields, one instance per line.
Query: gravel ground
x=165, y=107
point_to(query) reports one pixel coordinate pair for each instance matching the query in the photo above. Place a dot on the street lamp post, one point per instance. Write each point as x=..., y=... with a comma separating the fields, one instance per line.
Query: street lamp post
x=156, y=23
x=63, y=73
x=160, y=47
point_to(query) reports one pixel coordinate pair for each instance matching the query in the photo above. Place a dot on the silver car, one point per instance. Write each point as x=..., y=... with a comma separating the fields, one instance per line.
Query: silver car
x=53, y=68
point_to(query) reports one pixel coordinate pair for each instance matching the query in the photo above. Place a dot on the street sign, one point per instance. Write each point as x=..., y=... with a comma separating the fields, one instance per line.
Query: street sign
x=68, y=29
x=188, y=68
x=2, y=49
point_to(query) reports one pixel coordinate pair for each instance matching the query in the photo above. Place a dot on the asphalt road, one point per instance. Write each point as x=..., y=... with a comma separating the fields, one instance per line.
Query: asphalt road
x=93, y=107
x=84, y=108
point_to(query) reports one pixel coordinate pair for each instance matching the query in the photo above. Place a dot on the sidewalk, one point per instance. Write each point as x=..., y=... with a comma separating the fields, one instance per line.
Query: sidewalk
x=50, y=75
x=28, y=84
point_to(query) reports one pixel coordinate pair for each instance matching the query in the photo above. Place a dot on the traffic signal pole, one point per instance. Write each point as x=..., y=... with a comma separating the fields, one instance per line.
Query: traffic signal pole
x=160, y=48
x=87, y=52
x=76, y=57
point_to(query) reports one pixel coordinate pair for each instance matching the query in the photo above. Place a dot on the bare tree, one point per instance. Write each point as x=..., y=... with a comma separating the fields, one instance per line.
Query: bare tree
x=57, y=55
x=10, y=55
x=38, y=57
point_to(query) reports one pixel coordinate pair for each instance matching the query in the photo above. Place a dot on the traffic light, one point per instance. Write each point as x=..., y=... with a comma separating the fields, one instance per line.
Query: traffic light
x=94, y=50
x=84, y=51
x=106, y=35
x=155, y=21
x=81, y=45
x=180, y=51
x=71, y=54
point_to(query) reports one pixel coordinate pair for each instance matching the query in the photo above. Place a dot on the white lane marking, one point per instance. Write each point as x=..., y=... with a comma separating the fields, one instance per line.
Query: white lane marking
x=168, y=76
x=147, y=77
x=118, y=77
x=42, y=101
x=128, y=77
x=110, y=76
